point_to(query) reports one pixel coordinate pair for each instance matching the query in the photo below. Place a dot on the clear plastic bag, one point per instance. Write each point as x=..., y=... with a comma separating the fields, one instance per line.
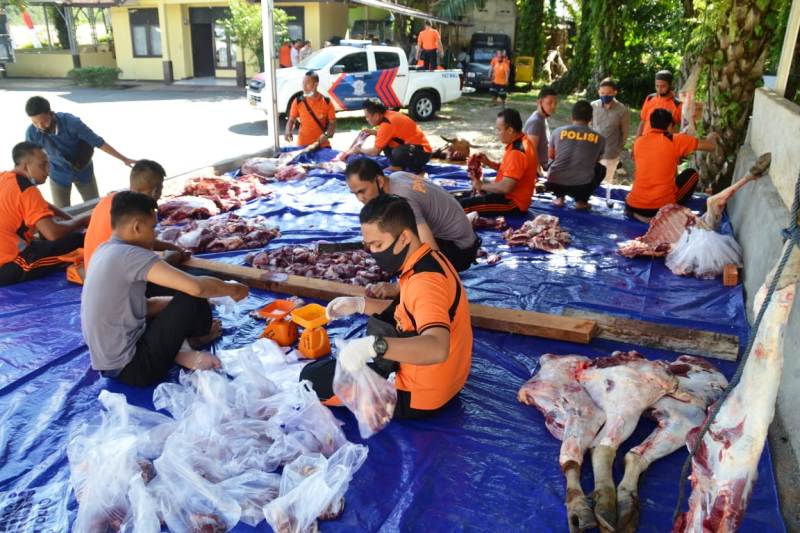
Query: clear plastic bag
x=143, y=516
x=266, y=351
x=370, y=397
x=312, y=488
x=703, y=253
x=252, y=490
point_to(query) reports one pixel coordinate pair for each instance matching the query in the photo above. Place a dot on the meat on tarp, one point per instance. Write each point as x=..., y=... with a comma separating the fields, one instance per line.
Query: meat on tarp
x=224, y=233
x=355, y=267
x=542, y=233
x=225, y=193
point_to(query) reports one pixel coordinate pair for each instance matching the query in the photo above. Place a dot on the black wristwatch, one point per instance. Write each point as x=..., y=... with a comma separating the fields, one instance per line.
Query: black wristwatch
x=380, y=346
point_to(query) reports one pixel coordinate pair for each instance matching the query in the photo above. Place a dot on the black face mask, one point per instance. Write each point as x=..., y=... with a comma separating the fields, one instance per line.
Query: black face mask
x=388, y=260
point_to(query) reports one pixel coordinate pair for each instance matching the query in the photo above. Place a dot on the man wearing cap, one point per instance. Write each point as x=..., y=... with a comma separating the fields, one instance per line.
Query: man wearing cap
x=663, y=98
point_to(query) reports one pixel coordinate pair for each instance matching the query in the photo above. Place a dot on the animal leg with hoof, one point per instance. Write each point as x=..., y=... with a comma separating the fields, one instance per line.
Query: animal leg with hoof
x=579, y=513
x=605, y=493
x=628, y=493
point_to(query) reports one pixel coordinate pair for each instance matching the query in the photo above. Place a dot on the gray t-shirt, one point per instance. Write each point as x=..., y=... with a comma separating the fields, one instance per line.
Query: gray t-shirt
x=613, y=123
x=537, y=125
x=113, y=303
x=435, y=207
x=578, y=149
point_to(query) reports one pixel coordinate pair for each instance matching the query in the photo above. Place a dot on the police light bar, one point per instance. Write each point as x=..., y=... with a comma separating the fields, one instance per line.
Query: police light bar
x=354, y=42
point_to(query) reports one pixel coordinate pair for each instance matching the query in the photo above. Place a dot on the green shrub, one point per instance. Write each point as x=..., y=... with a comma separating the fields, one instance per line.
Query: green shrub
x=95, y=76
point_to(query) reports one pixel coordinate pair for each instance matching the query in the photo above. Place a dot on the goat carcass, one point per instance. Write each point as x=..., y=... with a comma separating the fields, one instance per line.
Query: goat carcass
x=699, y=385
x=725, y=465
x=572, y=417
x=623, y=385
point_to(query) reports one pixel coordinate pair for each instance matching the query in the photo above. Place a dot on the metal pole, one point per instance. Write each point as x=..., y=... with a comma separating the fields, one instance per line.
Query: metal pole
x=270, y=87
x=73, y=41
x=47, y=27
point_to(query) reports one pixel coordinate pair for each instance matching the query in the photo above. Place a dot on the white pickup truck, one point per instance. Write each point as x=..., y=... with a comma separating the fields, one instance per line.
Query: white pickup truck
x=351, y=74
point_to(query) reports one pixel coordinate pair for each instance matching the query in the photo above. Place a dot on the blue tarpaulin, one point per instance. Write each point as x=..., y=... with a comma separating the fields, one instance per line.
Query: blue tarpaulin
x=486, y=463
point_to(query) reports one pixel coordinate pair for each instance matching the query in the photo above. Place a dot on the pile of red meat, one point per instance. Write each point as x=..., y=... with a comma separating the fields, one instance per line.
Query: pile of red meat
x=228, y=232
x=474, y=167
x=355, y=267
x=209, y=196
x=542, y=233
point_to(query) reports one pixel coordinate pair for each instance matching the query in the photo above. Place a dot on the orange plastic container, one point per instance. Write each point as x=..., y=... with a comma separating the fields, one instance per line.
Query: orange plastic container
x=277, y=309
x=283, y=332
x=310, y=316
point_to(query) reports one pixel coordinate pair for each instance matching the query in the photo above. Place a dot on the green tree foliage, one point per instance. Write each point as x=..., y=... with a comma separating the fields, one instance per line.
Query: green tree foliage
x=56, y=16
x=245, y=26
x=530, y=31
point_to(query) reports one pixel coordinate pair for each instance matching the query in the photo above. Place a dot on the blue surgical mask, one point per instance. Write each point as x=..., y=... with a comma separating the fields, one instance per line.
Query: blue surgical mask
x=606, y=99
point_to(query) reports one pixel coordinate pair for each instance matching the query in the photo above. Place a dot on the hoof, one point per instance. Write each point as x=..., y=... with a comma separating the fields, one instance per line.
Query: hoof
x=580, y=515
x=627, y=511
x=605, y=509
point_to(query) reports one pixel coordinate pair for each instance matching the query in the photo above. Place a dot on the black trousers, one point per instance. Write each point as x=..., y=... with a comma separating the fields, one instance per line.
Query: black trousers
x=581, y=193
x=491, y=204
x=461, y=259
x=430, y=59
x=39, y=259
x=687, y=184
x=498, y=90
x=184, y=317
x=410, y=157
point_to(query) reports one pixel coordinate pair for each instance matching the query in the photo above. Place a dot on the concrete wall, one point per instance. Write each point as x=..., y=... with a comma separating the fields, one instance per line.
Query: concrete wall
x=497, y=16
x=54, y=63
x=759, y=212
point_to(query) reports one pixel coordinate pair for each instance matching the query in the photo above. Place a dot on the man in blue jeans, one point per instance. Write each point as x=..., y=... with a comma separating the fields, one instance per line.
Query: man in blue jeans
x=69, y=144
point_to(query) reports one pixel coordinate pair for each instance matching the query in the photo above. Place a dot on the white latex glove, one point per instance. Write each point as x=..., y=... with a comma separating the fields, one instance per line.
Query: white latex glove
x=357, y=353
x=344, y=306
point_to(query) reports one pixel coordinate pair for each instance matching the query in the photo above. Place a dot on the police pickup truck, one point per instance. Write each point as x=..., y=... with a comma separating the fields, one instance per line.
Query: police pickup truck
x=357, y=71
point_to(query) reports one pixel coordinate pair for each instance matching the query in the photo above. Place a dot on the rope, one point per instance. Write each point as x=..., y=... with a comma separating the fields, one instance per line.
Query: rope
x=791, y=233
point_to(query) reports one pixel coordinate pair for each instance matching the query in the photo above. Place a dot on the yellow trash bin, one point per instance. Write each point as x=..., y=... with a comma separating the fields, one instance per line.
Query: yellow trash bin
x=523, y=70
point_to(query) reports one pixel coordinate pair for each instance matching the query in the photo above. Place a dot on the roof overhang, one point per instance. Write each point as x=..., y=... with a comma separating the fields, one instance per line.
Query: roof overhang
x=403, y=10
x=77, y=3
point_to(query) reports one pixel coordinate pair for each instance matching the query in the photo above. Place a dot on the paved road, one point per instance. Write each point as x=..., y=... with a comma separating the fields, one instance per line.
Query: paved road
x=182, y=128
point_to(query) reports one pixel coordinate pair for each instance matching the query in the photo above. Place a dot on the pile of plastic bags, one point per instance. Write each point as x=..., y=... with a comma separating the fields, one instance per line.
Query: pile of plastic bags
x=213, y=462
x=703, y=254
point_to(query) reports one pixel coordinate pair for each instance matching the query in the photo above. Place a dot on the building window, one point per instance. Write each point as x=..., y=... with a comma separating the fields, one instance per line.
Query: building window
x=145, y=32
x=224, y=46
x=296, y=24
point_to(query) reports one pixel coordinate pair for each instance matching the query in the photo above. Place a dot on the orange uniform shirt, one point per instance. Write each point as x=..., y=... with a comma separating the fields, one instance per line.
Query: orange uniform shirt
x=285, y=56
x=500, y=72
x=653, y=102
x=99, y=230
x=656, y=157
x=21, y=207
x=397, y=129
x=429, y=39
x=431, y=295
x=310, y=131
x=520, y=164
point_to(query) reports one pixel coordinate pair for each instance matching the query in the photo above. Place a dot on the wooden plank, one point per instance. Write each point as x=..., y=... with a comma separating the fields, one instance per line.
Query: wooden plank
x=665, y=337
x=579, y=330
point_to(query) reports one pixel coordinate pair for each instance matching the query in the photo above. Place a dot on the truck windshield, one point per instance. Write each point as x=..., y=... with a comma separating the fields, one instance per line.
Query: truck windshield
x=483, y=55
x=319, y=59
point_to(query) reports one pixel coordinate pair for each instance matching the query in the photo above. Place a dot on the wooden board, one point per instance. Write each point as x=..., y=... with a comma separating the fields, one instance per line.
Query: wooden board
x=665, y=337
x=579, y=330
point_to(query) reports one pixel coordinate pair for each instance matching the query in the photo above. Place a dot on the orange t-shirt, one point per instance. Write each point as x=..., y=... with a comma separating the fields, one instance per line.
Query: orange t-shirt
x=397, y=129
x=656, y=157
x=653, y=102
x=429, y=39
x=99, y=230
x=500, y=71
x=431, y=296
x=285, y=56
x=309, y=129
x=21, y=207
x=520, y=164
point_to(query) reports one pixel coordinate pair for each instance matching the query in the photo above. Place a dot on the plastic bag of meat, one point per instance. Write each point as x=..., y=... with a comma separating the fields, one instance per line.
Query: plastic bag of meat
x=252, y=490
x=474, y=167
x=312, y=488
x=143, y=516
x=703, y=253
x=370, y=397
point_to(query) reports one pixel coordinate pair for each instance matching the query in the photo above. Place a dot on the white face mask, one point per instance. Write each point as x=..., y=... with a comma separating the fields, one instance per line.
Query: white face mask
x=308, y=95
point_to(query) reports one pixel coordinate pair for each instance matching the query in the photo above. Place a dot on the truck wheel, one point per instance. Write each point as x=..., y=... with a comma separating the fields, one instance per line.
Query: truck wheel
x=422, y=107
